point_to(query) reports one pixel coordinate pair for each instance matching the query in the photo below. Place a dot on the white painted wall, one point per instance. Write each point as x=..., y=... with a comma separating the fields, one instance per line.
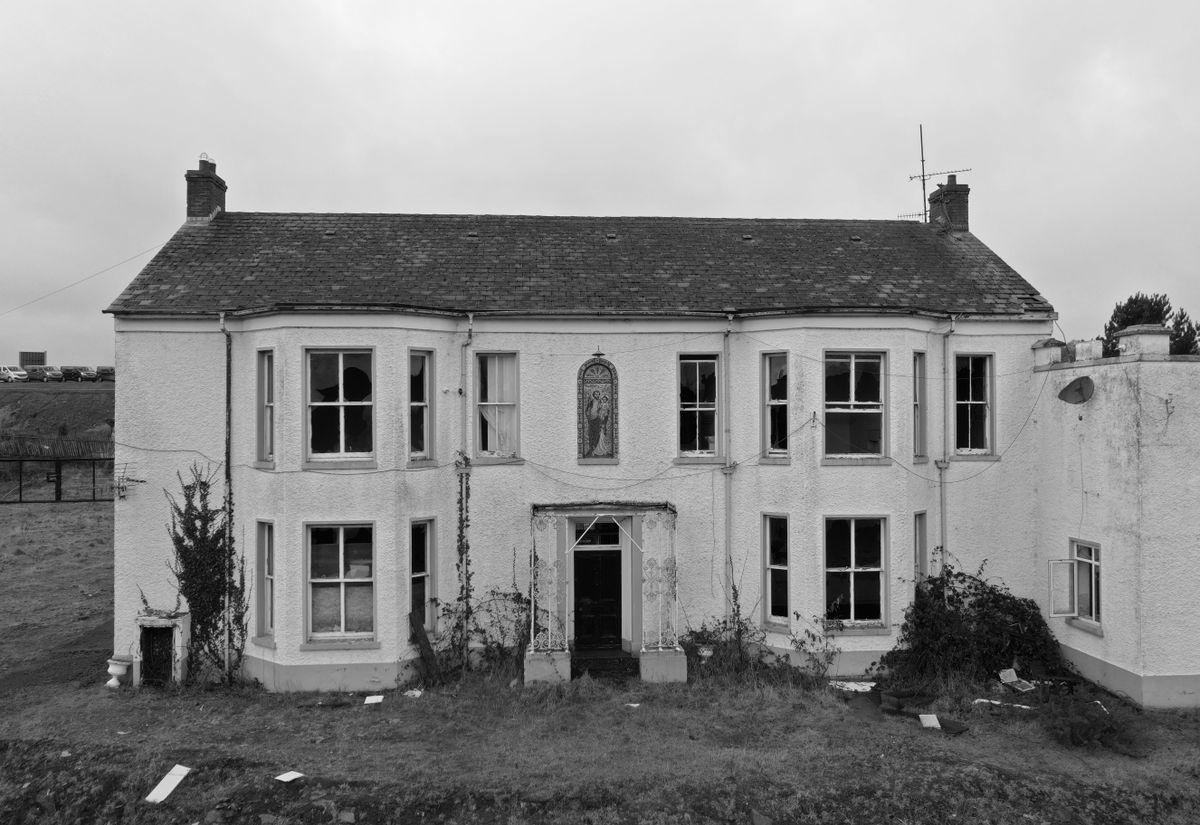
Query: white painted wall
x=171, y=397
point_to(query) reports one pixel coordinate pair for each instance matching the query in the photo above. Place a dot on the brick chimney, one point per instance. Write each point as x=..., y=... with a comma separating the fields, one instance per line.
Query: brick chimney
x=948, y=205
x=205, y=192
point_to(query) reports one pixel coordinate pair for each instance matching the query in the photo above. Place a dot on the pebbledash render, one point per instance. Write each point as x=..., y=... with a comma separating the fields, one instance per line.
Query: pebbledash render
x=649, y=413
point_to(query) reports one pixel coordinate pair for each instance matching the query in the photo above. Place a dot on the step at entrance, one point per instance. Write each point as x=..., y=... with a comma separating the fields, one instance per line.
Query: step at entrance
x=614, y=665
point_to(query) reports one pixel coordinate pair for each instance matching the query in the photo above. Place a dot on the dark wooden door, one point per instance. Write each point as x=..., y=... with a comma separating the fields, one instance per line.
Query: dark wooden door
x=597, y=599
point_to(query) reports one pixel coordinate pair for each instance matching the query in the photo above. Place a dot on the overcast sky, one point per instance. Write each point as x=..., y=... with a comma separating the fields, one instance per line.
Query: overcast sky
x=1079, y=122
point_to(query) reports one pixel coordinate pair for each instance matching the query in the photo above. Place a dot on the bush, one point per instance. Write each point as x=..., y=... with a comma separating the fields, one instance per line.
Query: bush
x=1080, y=723
x=961, y=626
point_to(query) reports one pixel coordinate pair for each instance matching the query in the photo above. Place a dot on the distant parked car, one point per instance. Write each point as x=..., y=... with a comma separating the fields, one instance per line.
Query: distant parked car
x=11, y=374
x=106, y=373
x=44, y=373
x=78, y=374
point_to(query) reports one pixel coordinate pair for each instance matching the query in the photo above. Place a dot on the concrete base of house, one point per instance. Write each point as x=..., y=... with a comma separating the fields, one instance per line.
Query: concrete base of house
x=1160, y=690
x=333, y=677
x=663, y=666
x=554, y=666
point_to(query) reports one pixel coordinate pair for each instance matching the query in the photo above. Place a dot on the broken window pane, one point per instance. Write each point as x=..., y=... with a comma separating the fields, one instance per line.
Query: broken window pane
x=325, y=429
x=837, y=596
x=866, y=379
x=356, y=376
x=852, y=433
x=837, y=380
x=837, y=542
x=323, y=377
x=416, y=379
x=602, y=532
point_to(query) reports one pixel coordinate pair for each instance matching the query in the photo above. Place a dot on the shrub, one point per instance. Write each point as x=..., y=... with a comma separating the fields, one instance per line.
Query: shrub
x=962, y=626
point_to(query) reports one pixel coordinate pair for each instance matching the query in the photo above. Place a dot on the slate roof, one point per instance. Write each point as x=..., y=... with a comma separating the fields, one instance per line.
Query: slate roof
x=579, y=265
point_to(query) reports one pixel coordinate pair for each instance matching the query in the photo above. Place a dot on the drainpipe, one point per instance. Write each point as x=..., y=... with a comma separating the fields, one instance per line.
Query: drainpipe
x=228, y=490
x=943, y=463
x=727, y=470
x=462, y=382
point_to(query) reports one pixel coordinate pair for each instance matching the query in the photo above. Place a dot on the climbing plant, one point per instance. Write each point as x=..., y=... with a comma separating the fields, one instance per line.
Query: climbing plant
x=210, y=575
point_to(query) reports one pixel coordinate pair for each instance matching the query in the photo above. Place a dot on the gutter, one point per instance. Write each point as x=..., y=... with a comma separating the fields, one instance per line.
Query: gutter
x=943, y=463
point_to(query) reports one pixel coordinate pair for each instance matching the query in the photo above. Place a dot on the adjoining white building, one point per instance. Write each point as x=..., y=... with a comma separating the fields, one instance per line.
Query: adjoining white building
x=650, y=411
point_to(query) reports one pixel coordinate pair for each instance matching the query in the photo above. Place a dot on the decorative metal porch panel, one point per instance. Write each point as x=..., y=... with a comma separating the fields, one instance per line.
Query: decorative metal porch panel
x=660, y=597
x=547, y=595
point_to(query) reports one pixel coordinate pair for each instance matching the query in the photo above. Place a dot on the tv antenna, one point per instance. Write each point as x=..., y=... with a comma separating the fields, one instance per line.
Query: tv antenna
x=924, y=176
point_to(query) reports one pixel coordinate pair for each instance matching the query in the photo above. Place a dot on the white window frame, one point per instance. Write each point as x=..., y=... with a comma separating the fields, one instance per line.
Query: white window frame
x=852, y=405
x=342, y=580
x=697, y=407
x=266, y=578
x=266, y=405
x=341, y=405
x=482, y=427
x=771, y=570
x=986, y=403
x=1067, y=577
x=771, y=404
x=920, y=407
x=855, y=570
x=422, y=408
x=430, y=573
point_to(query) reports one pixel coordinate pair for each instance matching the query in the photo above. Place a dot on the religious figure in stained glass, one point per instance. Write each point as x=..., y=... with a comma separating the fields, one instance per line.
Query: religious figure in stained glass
x=597, y=410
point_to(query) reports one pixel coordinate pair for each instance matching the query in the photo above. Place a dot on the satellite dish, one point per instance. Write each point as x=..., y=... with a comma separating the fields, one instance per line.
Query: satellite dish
x=1078, y=391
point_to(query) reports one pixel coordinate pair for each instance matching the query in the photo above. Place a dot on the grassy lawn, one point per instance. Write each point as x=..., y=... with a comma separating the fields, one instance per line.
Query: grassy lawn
x=483, y=751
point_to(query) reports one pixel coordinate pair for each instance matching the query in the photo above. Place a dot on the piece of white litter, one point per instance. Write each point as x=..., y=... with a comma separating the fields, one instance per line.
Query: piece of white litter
x=373, y=700
x=930, y=720
x=290, y=776
x=1003, y=704
x=854, y=687
x=414, y=693
x=169, y=782
x=633, y=704
x=1009, y=677
x=122, y=733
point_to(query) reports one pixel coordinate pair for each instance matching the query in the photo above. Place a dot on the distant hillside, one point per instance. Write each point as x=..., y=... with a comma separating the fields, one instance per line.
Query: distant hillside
x=66, y=412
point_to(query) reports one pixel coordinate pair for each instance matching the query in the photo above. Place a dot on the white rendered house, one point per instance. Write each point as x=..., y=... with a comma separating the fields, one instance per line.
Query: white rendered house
x=647, y=412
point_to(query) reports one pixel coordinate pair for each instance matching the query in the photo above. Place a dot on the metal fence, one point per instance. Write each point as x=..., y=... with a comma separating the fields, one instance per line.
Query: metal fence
x=30, y=480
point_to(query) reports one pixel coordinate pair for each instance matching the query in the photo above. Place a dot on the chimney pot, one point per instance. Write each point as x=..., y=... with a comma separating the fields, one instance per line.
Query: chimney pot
x=205, y=192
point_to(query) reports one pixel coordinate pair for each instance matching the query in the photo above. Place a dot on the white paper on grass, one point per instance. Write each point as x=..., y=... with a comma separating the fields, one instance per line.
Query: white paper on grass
x=855, y=687
x=633, y=704
x=414, y=693
x=168, y=783
x=290, y=776
x=1002, y=704
x=373, y=700
x=930, y=720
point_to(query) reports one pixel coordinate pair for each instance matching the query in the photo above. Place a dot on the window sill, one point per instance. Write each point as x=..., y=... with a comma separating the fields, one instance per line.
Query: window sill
x=920, y=459
x=264, y=464
x=421, y=463
x=776, y=625
x=854, y=461
x=974, y=457
x=774, y=459
x=495, y=460
x=264, y=641
x=340, y=464
x=699, y=459
x=598, y=461
x=341, y=644
x=865, y=629
x=1087, y=626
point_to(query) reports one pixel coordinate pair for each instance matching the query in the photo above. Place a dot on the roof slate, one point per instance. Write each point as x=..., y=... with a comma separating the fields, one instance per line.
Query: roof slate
x=552, y=265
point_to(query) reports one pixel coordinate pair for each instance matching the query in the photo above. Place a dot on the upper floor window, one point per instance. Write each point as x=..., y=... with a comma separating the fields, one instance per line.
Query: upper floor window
x=775, y=404
x=854, y=569
x=853, y=404
x=698, y=405
x=920, y=449
x=266, y=405
x=496, y=385
x=972, y=404
x=339, y=403
x=420, y=379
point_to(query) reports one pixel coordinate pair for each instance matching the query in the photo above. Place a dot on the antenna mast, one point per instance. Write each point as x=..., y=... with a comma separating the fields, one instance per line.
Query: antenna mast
x=924, y=213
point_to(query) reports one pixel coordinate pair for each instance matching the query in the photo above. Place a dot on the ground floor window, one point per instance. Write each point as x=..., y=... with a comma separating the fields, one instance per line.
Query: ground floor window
x=422, y=600
x=341, y=582
x=854, y=569
x=266, y=578
x=1075, y=583
x=775, y=554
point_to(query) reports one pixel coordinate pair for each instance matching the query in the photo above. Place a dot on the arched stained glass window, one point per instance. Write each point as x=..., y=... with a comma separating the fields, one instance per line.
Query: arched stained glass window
x=598, y=410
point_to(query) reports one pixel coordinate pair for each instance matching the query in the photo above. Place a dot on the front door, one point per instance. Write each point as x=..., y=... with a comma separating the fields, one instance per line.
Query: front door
x=597, y=558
